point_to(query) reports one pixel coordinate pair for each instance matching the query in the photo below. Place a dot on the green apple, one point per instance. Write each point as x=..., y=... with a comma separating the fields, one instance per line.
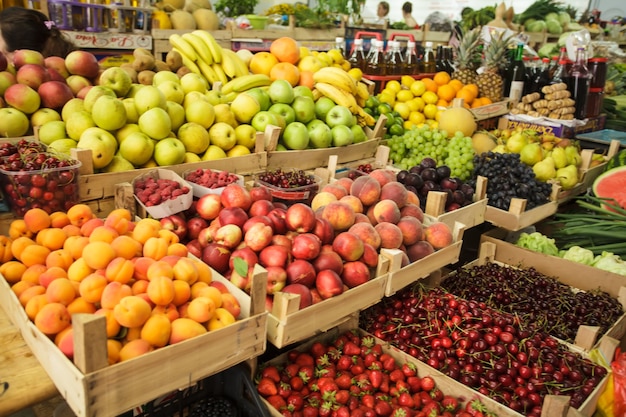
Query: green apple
x=149, y=97
x=102, y=143
x=191, y=157
x=137, y=148
x=201, y=112
x=339, y=116
x=77, y=123
x=13, y=122
x=213, y=152
x=261, y=96
x=193, y=82
x=51, y=131
x=23, y=98
x=359, y=134
x=126, y=130
x=177, y=114
x=244, y=107
x=169, y=151
x=195, y=137
x=285, y=110
x=163, y=76
x=246, y=135
x=320, y=135
x=6, y=79
x=280, y=91
x=223, y=136
x=172, y=91
x=62, y=146
x=116, y=79
x=194, y=96
x=155, y=123
x=304, y=108
x=304, y=91
x=73, y=106
x=281, y=147
x=263, y=119
x=134, y=89
x=109, y=113
x=238, y=150
x=342, y=135
x=223, y=113
x=94, y=94
x=296, y=136
x=43, y=115
x=77, y=82
x=323, y=106
x=132, y=115
x=214, y=97
x=118, y=164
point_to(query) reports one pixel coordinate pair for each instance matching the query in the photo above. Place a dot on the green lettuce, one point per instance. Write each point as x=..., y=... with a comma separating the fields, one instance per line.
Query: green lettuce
x=537, y=242
x=610, y=262
x=578, y=254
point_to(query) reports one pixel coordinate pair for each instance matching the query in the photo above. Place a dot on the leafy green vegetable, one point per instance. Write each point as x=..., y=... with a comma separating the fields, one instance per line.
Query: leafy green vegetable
x=538, y=242
x=610, y=262
x=578, y=254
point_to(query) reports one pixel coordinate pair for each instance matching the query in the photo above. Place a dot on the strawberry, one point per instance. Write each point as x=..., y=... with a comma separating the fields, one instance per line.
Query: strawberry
x=388, y=362
x=351, y=349
x=267, y=387
x=342, y=396
x=375, y=377
x=428, y=383
x=304, y=359
x=405, y=399
x=414, y=383
x=368, y=400
x=383, y=408
x=296, y=383
x=284, y=389
x=318, y=349
x=295, y=402
x=344, y=380
x=277, y=402
x=450, y=403
x=342, y=411
x=396, y=375
x=409, y=369
x=310, y=411
x=271, y=372
x=291, y=369
x=345, y=362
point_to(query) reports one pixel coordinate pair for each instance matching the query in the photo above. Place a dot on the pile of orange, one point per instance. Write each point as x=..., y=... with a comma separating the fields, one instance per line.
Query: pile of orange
x=448, y=89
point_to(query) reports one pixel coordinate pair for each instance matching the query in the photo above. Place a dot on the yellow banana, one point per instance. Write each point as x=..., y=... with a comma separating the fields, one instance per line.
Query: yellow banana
x=183, y=46
x=246, y=82
x=221, y=76
x=338, y=95
x=228, y=65
x=360, y=101
x=362, y=91
x=228, y=98
x=240, y=67
x=189, y=63
x=214, y=47
x=365, y=119
x=208, y=72
x=316, y=94
x=337, y=77
x=202, y=51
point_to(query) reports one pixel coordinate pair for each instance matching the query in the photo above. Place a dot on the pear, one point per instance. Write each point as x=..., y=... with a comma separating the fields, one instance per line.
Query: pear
x=516, y=142
x=531, y=154
x=567, y=176
x=560, y=157
x=573, y=155
x=499, y=149
x=545, y=170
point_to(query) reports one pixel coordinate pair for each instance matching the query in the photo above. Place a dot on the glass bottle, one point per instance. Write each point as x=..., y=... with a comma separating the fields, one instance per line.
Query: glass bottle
x=439, y=62
x=515, y=76
x=411, y=62
x=448, y=59
x=357, y=57
x=340, y=45
x=542, y=78
x=395, y=60
x=376, y=63
x=579, y=82
x=428, y=60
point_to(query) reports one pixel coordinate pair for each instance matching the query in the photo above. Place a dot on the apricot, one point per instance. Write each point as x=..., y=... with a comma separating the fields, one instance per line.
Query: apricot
x=120, y=270
x=61, y=258
x=197, y=287
x=112, y=326
x=170, y=259
x=113, y=293
x=71, y=230
x=160, y=269
x=142, y=264
x=80, y=305
x=33, y=273
x=61, y=290
x=59, y=219
x=36, y=219
x=79, y=270
x=119, y=219
x=155, y=248
x=169, y=236
x=185, y=328
x=51, y=238
x=126, y=247
x=65, y=341
x=18, y=228
x=75, y=245
x=213, y=293
x=50, y=274
x=52, y=318
x=92, y=287
x=79, y=214
x=5, y=249
x=132, y=311
x=103, y=234
x=178, y=249
x=90, y=225
x=161, y=290
x=145, y=229
x=19, y=287
x=12, y=271
x=113, y=351
x=19, y=244
x=35, y=304
x=134, y=349
x=170, y=311
x=97, y=255
x=30, y=292
x=132, y=333
x=230, y=303
x=140, y=286
x=156, y=330
x=205, y=273
x=201, y=309
x=34, y=254
x=185, y=269
x=221, y=318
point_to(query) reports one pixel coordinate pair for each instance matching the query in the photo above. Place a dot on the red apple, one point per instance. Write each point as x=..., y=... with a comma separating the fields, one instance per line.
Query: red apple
x=57, y=64
x=349, y=246
x=22, y=57
x=194, y=226
x=300, y=218
x=269, y=302
x=306, y=246
x=258, y=236
x=216, y=256
x=233, y=215
x=328, y=260
x=205, y=236
x=355, y=274
x=301, y=272
x=277, y=216
x=274, y=255
x=54, y=94
x=257, y=219
x=282, y=240
x=315, y=296
x=236, y=195
x=241, y=281
x=328, y=283
x=177, y=224
x=208, y=206
x=82, y=63
x=303, y=291
x=276, y=279
x=260, y=208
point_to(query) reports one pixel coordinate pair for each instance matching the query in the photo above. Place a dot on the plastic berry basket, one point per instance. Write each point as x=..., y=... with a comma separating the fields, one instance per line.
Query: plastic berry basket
x=170, y=206
x=200, y=190
x=291, y=194
x=39, y=180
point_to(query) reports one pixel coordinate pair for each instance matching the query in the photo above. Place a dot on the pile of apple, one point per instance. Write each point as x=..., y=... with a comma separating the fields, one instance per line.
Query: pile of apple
x=134, y=273
x=317, y=251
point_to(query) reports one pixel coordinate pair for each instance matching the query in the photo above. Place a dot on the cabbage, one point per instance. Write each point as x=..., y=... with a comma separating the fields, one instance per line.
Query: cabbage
x=578, y=254
x=610, y=262
x=554, y=27
x=537, y=242
x=564, y=18
x=552, y=16
x=536, y=26
x=548, y=50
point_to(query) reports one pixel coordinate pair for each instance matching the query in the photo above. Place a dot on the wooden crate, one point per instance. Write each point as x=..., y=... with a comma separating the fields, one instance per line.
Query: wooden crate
x=161, y=43
x=93, y=388
x=399, y=277
x=571, y=273
x=288, y=324
x=470, y=215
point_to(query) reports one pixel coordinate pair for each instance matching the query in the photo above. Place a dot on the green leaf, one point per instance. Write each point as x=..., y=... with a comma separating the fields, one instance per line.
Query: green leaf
x=241, y=266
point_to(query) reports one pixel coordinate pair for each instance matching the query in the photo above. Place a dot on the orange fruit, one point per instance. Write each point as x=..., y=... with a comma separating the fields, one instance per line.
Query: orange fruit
x=466, y=94
x=285, y=49
x=442, y=103
x=306, y=79
x=473, y=88
x=456, y=84
x=262, y=63
x=441, y=78
x=430, y=84
x=446, y=92
x=477, y=103
x=285, y=71
x=486, y=100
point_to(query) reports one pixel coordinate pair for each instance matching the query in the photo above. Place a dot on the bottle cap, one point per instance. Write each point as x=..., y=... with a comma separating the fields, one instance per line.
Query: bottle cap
x=358, y=41
x=338, y=39
x=410, y=44
x=429, y=44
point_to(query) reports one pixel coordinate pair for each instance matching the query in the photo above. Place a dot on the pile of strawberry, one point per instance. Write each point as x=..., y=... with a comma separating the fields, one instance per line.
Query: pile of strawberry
x=353, y=377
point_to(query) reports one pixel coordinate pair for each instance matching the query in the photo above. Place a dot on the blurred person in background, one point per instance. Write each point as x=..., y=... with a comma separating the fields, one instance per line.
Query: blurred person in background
x=381, y=13
x=407, y=10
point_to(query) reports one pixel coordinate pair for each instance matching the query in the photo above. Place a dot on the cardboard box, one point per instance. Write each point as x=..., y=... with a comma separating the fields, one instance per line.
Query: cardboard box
x=553, y=127
x=490, y=111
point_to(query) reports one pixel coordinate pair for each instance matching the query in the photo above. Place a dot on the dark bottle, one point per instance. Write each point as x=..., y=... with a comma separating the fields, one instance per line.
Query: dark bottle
x=448, y=59
x=340, y=44
x=542, y=77
x=357, y=57
x=560, y=73
x=515, y=76
x=440, y=65
x=428, y=65
x=579, y=82
x=376, y=63
x=411, y=62
x=394, y=60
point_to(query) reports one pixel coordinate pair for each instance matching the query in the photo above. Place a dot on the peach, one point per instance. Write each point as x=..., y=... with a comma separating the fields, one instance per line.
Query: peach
x=92, y=287
x=132, y=311
x=61, y=290
x=383, y=176
x=390, y=235
x=155, y=248
x=79, y=270
x=236, y=195
x=59, y=219
x=386, y=211
x=438, y=234
x=145, y=229
x=34, y=254
x=201, y=309
x=135, y=348
x=142, y=264
x=75, y=245
x=338, y=190
x=170, y=311
x=51, y=238
x=231, y=304
x=18, y=228
x=112, y=326
x=113, y=293
x=156, y=330
x=367, y=189
x=339, y=215
x=354, y=202
x=185, y=269
x=30, y=292
x=80, y=305
x=79, y=214
x=65, y=341
x=185, y=328
x=221, y=318
x=90, y=225
x=345, y=183
x=140, y=286
x=413, y=210
x=103, y=234
x=160, y=269
x=61, y=258
x=419, y=250
x=411, y=228
x=12, y=271
x=97, y=255
x=412, y=198
x=367, y=233
x=119, y=219
x=114, y=348
x=33, y=273
x=395, y=191
x=19, y=287
x=349, y=246
x=126, y=247
x=36, y=219
x=52, y=318
x=35, y=304
x=120, y=270
x=177, y=249
x=322, y=199
x=161, y=290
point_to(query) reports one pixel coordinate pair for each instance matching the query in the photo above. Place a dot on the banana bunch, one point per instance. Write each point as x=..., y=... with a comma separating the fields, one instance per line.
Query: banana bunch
x=246, y=82
x=340, y=87
x=203, y=55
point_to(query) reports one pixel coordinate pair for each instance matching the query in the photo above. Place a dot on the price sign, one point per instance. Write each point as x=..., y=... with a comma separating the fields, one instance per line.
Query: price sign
x=110, y=40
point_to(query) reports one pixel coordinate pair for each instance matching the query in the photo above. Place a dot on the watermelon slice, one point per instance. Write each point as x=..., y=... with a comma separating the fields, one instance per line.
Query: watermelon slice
x=612, y=184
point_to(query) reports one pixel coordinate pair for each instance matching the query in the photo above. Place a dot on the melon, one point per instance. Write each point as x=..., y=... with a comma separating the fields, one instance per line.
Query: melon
x=193, y=5
x=457, y=119
x=170, y=5
x=483, y=142
x=182, y=20
x=206, y=19
x=612, y=184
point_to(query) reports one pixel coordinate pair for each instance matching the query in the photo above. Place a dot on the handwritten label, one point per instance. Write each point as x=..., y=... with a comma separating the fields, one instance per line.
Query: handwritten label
x=109, y=40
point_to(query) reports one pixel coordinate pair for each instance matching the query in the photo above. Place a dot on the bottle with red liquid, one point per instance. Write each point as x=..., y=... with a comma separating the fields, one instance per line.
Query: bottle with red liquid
x=376, y=64
x=411, y=61
x=357, y=57
x=579, y=82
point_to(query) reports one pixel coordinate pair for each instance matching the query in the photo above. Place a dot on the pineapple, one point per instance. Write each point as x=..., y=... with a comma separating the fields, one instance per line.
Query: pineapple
x=465, y=57
x=490, y=82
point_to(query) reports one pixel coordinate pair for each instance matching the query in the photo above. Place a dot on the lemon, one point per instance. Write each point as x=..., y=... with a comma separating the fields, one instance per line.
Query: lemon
x=404, y=95
x=304, y=51
x=430, y=111
x=407, y=80
x=430, y=97
x=356, y=73
x=408, y=125
x=393, y=85
x=387, y=98
x=416, y=117
x=418, y=88
x=402, y=109
x=418, y=103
